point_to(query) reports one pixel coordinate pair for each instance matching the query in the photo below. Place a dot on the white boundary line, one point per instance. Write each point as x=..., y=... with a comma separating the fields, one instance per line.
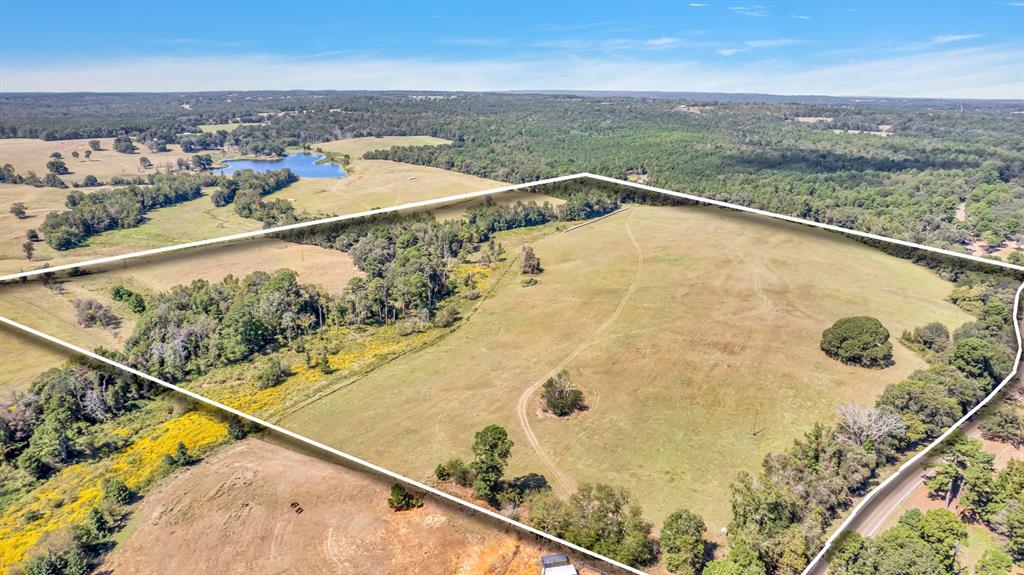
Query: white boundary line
x=489, y=192
x=482, y=193
x=313, y=443
x=924, y=452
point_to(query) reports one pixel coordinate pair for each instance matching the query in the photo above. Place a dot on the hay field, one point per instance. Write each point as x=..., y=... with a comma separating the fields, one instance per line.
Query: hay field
x=684, y=343
x=356, y=147
x=377, y=184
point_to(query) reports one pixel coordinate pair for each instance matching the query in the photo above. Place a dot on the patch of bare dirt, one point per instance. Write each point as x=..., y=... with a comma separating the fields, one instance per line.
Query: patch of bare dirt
x=238, y=512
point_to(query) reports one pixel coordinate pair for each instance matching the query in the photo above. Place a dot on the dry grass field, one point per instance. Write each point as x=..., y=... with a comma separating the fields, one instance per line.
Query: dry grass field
x=241, y=498
x=372, y=183
x=28, y=154
x=693, y=333
x=356, y=147
x=53, y=313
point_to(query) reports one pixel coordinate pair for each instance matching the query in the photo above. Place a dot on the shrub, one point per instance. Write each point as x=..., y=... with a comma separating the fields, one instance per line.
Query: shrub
x=446, y=316
x=90, y=312
x=933, y=336
x=531, y=263
x=861, y=340
x=401, y=499
x=180, y=458
x=117, y=491
x=560, y=396
x=270, y=374
x=456, y=470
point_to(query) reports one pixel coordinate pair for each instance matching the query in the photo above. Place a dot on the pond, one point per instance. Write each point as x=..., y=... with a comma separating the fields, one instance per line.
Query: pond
x=303, y=164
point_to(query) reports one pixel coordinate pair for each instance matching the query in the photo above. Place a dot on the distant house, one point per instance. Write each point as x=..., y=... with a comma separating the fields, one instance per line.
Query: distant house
x=556, y=564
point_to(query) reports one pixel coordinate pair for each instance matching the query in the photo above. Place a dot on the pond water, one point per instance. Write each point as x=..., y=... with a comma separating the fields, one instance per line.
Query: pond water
x=304, y=165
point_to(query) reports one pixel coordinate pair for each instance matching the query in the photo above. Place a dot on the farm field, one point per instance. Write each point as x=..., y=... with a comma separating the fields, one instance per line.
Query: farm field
x=693, y=333
x=241, y=498
x=373, y=183
x=53, y=313
x=29, y=154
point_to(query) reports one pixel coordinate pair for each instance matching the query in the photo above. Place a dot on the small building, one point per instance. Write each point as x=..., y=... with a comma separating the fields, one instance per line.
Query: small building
x=556, y=564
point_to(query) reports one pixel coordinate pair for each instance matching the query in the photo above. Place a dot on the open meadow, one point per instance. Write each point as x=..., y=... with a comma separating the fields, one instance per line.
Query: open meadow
x=29, y=154
x=692, y=332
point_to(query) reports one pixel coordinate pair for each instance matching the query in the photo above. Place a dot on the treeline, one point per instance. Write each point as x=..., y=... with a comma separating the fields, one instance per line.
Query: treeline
x=90, y=214
x=782, y=514
x=908, y=185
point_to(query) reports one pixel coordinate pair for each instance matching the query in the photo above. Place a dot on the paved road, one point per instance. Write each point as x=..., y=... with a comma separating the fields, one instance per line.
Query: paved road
x=870, y=520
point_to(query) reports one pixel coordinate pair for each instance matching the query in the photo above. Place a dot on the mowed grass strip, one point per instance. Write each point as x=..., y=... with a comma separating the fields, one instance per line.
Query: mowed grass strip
x=713, y=362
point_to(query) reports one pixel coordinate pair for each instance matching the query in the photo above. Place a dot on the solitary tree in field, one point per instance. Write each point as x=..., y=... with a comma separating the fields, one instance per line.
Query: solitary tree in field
x=57, y=166
x=124, y=144
x=74, y=154
x=492, y=448
x=95, y=145
x=145, y=163
x=56, y=155
x=29, y=248
x=531, y=263
x=560, y=396
x=88, y=154
x=18, y=209
x=858, y=340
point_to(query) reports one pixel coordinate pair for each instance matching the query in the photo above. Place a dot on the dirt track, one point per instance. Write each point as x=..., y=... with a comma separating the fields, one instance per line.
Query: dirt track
x=561, y=483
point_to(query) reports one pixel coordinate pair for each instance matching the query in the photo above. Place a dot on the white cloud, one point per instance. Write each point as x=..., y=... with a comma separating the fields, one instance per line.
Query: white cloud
x=800, y=17
x=955, y=38
x=730, y=51
x=981, y=72
x=696, y=5
x=757, y=11
x=662, y=41
x=772, y=43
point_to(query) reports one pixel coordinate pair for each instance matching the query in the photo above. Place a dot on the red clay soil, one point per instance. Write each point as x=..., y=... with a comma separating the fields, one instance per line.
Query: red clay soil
x=233, y=513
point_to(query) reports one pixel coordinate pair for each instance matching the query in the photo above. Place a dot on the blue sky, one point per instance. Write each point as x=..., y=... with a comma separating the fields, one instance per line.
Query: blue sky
x=923, y=49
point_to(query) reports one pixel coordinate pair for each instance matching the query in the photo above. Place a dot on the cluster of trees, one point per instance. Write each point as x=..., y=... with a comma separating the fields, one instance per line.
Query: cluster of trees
x=606, y=520
x=246, y=188
x=8, y=175
x=46, y=428
x=195, y=327
x=90, y=214
x=920, y=544
x=964, y=473
x=782, y=514
x=858, y=340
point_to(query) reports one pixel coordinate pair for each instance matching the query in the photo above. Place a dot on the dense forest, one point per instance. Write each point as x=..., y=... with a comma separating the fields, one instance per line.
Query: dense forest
x=905, y=180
